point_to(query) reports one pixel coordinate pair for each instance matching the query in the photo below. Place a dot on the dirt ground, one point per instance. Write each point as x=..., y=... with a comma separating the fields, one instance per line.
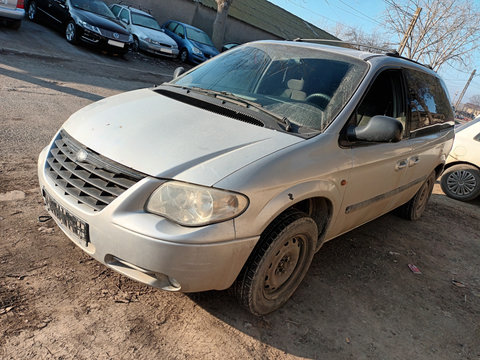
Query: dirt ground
x=358, y=301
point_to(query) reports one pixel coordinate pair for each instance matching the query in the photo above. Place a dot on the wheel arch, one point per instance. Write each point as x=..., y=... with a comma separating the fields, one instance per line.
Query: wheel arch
x=453, y=163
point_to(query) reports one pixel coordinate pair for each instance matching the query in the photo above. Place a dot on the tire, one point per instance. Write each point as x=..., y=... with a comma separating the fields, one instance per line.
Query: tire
x=32, y=10
x=15, y=25
x=461, y=182
x=278, y=263
x=415, y=207
x=135, y=45
x=183, y=56
x=71, y=32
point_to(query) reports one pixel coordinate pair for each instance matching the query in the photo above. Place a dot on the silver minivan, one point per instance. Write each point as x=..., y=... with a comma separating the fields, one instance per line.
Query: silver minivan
x=234, y=174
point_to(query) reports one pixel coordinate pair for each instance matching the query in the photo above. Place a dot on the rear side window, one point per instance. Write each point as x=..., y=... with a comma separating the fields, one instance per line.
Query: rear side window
x=115, y=9
x=172, y=26
x=429, y=106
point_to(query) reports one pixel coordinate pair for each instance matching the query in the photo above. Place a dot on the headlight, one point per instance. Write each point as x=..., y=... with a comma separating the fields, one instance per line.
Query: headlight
x=193, y=205
x=196, y=51
x=88, y=26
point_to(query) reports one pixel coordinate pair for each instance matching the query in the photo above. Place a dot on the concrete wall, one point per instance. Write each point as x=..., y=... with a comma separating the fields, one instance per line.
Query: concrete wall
x=200, y=16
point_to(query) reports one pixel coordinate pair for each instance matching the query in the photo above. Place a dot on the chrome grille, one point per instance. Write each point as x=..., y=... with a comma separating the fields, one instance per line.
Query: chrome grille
x=109, y=34
x=94, y=180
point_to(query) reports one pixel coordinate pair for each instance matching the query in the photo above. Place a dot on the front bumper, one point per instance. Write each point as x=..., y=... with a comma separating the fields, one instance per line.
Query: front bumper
x=11, y=14
x=158, y=49
x=149, y=248
x=101, y=41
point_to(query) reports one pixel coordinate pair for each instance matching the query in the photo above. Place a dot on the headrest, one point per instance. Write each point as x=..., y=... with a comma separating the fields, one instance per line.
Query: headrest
x=295, y=84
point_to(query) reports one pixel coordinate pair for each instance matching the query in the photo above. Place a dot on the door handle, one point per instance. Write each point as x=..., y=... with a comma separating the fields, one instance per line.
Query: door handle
x=401, y=164
x=413, y=161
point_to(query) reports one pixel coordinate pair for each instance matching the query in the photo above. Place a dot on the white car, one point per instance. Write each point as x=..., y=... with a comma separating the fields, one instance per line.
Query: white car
x=12, y=11
x=147, y=33
x=461, y=179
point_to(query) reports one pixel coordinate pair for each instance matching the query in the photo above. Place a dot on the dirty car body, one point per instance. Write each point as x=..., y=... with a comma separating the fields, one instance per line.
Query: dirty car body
x=238, y=171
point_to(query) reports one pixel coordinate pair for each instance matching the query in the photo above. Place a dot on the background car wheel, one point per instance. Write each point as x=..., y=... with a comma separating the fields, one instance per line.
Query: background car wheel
x=135, y=44
x=32, y=10
x=461, y=182
x=278, y=263
x=415, y=207
x=183, y=56
x=71, y=33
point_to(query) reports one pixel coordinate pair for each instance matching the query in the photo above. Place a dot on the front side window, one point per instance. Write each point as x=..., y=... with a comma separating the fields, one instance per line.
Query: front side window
x=171, y=26
x=124, y=16
x=180, y=31
x=116, y=9
x=430, y=108
x=385, y=97
x=307, y=86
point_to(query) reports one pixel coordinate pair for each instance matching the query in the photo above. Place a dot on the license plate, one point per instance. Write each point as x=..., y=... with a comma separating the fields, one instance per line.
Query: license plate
x=78, y=227
x=168, y=51
x=116, y=43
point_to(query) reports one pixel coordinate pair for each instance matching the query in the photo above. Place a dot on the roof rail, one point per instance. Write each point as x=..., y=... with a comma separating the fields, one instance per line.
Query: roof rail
x=349, y=45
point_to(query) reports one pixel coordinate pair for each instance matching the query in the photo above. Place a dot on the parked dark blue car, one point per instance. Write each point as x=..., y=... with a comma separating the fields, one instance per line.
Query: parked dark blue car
x=193, y=43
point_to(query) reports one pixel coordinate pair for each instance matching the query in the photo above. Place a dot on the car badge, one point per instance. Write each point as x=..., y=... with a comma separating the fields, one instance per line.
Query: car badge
x=116, y=36
x=81, y=155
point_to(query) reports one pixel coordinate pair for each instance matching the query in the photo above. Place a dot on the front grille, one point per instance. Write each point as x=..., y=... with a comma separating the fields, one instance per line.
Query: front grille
x=93, y=180
x=109, y=34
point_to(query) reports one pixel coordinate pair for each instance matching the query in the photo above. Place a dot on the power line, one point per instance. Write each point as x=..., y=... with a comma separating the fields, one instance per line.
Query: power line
x=359, y=12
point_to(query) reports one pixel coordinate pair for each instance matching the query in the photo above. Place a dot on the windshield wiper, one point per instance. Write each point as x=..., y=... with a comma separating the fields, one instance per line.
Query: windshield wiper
x=238, y=100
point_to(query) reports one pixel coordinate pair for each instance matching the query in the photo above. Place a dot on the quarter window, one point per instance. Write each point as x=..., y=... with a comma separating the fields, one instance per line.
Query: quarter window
x=429, y=106
x=116, y=10
x=172, y=26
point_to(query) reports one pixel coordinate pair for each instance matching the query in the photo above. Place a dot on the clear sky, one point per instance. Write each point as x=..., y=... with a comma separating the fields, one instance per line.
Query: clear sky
x=366, y=15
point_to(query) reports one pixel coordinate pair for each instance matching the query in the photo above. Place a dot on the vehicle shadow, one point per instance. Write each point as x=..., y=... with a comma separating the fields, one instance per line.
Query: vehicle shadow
x=359, y=297
x=53, y=85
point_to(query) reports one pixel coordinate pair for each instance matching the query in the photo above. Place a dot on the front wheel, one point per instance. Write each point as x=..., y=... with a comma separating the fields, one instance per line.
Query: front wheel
x=183, y=56
x=415, y=207
x=278, y=263
x=135, y=45
x=461, y=182
x=32, y=10
x=71, y=33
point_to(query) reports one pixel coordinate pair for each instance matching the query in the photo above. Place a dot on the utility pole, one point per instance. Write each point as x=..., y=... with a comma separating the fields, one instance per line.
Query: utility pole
x=465, y=89
x=409, y=30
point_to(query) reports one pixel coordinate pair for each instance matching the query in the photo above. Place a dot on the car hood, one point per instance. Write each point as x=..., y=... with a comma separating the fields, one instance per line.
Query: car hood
x=207, y=49
x=156, y=35
x=99, y=21
x=165, y=138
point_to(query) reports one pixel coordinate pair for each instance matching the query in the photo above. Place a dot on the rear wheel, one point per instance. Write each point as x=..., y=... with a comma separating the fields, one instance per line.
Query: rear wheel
x=71, y=33
x=278, y=264
x=415, y=207
x=461, y=182
x=32, y=10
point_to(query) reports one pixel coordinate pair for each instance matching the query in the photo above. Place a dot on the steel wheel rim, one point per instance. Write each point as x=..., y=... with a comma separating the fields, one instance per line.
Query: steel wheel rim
x=32, y=9
x=284, y=266
x=461, y=182
x=70, y=32
x=183, y=56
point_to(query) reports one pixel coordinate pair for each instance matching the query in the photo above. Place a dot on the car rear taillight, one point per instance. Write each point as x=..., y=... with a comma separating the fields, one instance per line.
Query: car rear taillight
x=20, y=4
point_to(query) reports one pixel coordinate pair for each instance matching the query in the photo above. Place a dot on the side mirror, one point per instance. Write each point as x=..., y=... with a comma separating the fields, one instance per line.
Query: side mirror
x=379, y=129
x=178, y=71
x=182, y=36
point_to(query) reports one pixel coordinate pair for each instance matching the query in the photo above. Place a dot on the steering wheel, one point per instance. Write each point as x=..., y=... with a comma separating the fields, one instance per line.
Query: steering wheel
x=319, y=99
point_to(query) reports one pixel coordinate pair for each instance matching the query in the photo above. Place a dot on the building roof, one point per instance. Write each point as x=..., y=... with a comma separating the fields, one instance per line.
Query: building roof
x=273, y=19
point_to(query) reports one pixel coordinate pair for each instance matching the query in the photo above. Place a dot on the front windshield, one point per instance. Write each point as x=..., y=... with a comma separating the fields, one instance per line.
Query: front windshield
x=198, y=36
x=307, y=86
x=145, y=21
x=95, y=6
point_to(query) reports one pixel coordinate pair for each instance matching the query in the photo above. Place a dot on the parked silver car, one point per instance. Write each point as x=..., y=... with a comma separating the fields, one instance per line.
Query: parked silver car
x=147, y=33
x=238, y=171
x=12, y=12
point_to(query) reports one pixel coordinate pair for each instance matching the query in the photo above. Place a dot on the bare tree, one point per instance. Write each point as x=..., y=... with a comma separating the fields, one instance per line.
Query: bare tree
x=475, y=100
x=447, y=31
x=220, y=22
x=355, y=35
